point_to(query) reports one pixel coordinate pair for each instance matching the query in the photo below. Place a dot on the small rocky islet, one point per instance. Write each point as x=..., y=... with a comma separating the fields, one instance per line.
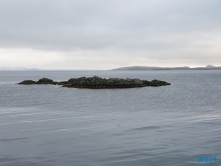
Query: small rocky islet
x=98, y=83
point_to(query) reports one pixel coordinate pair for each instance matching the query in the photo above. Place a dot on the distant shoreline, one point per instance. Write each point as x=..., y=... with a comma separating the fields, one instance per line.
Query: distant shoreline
x=135, y=68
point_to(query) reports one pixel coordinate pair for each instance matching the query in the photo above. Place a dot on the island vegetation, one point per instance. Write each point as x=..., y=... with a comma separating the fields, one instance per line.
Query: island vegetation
x=96, y=82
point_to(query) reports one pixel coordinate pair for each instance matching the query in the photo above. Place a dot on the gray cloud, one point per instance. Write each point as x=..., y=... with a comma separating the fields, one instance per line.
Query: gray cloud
x=157, y=29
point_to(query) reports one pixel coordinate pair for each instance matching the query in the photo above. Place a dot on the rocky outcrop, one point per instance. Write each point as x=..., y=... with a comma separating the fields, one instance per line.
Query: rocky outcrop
x=45, y=81
x=27, y=82
x=41, y=81
x=99, y=83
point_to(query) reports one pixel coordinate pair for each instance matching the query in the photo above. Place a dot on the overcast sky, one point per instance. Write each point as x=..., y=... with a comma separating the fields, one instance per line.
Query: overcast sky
x=106, y=34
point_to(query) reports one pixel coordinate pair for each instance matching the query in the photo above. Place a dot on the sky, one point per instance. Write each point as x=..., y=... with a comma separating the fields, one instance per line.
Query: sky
x=107, y=34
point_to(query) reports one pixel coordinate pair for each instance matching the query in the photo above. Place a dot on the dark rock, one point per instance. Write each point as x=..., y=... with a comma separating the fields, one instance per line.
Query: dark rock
x=102, y=83
x=45, y=81
x=27, y=82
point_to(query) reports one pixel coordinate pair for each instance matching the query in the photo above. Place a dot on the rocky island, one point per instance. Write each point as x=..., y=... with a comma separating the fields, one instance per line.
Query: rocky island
x=98, y=83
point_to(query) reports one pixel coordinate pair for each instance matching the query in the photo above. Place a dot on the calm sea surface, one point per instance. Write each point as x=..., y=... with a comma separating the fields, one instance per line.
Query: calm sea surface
x=46, y=125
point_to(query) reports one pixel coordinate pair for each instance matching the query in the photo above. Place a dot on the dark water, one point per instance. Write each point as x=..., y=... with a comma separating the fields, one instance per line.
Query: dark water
x=44, y=125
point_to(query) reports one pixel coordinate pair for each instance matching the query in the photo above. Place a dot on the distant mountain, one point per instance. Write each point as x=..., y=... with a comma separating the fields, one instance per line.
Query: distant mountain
x=152, y=68
x=208, y=67
x=17, y=69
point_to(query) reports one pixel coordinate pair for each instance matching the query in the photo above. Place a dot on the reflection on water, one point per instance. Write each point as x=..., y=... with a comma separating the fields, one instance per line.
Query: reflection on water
x=53, y=126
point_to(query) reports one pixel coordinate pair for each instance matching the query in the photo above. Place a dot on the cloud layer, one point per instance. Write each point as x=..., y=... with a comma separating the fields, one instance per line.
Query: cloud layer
x=84, y=34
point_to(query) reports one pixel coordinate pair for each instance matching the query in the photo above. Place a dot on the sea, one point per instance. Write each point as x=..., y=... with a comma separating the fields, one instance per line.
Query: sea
x=49, y=125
